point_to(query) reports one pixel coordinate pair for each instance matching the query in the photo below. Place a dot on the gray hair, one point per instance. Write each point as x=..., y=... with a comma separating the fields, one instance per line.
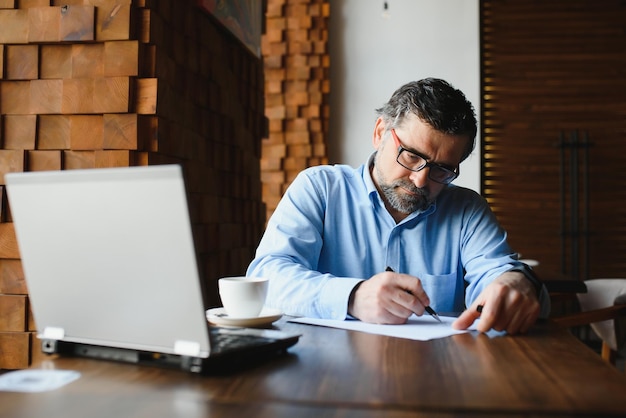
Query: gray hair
x=435, y=102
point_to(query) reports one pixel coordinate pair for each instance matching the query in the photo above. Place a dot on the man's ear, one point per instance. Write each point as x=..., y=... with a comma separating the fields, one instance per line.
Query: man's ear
x=379, y=131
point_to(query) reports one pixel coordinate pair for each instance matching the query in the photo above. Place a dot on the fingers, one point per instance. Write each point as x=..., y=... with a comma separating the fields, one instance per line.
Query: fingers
x=516, y=314
x=371, y=302
x=388, y=298
x=504, y=308
x=468, y=317
x=509, y=303
x=409, y=294
x=514, y=323
x=523, y=319
x=413, y=286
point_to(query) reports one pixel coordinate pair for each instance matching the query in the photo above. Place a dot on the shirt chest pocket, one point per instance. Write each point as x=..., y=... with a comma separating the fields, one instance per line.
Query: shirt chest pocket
x=445, y=291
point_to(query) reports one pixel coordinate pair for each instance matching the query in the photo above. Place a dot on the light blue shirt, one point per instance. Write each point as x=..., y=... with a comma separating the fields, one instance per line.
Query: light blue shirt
x=331, y=230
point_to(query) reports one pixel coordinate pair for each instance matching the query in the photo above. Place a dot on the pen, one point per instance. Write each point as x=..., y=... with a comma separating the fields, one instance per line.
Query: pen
x=428, y=309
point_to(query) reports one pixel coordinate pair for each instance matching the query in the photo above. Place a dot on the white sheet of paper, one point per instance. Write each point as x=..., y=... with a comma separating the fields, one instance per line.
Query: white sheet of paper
x=36, y=380
x=422, y=328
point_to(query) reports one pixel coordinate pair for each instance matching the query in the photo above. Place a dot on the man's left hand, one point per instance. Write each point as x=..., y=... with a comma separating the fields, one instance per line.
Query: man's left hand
x=509, y=304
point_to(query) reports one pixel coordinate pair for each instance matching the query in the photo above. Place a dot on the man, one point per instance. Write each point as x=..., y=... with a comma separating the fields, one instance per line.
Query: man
x=337, y=233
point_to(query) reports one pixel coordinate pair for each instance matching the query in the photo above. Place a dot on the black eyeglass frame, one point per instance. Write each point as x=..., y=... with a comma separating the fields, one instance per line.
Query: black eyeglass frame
x=447, y=175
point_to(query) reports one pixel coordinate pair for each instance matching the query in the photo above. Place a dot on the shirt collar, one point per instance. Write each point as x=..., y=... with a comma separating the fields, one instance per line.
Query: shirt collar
x=372, y=191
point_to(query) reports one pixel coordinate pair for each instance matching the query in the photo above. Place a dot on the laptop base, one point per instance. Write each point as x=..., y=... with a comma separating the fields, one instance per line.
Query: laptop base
x=227, y=358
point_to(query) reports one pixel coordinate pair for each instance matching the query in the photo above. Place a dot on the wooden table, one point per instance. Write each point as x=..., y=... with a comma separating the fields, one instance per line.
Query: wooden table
x=341, y=373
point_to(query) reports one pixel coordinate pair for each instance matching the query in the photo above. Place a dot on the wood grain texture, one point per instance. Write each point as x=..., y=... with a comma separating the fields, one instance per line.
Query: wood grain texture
x=8, y=242
x=146, y=96
x=88, y=60
x=113, y=19
x=121, y=58
x=14, y=26
x=158, y=82
x=544, y=373
x=44, y=24
x=15, y=350
x=41, y=160
x=56, y=61
x=53, y=132
x=27, y=4
x=296, y=61
x=12, y=280
x=20, y=132
x=77, y=23
x=15, y=97
x=46, y=97
x=78, y=96
x=11, y=160
x=86, y=132
x=551, y=69
x=22, y=62
x=95, y=95
x=113, y=158
x=13, y=313
x=73, y=160
x=120, y=131
x=111, y=95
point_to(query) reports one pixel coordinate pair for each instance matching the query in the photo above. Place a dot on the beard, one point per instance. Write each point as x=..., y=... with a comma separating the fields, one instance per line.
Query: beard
x=417, y=199
x=405, y=202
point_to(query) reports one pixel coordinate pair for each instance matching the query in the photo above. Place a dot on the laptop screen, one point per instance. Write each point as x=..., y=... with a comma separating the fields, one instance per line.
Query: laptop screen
x=109, y=257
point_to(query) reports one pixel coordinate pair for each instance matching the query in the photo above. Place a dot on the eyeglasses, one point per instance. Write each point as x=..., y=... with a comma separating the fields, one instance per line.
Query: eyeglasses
x=416, y=162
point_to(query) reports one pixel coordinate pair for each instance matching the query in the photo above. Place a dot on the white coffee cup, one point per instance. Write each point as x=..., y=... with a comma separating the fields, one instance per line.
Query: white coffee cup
x=243, y=297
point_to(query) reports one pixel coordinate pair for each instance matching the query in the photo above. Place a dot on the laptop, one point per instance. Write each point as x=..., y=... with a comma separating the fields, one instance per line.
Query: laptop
x=110, y=265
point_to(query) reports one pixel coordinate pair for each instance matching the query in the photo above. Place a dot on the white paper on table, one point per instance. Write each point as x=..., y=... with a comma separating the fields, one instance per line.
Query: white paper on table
x=422, y=328
x=36, y=380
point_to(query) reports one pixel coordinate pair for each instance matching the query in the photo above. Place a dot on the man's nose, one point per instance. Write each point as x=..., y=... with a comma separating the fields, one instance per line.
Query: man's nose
x=420, y=178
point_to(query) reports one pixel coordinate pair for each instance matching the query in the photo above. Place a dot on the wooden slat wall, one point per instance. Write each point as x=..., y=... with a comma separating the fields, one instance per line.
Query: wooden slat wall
x=103, y=83
x=552, y=67
x=297, y=84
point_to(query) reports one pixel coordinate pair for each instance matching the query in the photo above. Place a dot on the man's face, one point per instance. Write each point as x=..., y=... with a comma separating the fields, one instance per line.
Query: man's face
x=405, y=191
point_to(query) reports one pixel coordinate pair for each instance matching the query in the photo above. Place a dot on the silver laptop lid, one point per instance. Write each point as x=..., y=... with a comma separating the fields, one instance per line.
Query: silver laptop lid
x=109, y=257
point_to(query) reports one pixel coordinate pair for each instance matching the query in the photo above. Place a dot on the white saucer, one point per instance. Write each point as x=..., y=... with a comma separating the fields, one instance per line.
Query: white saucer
x=218, y=316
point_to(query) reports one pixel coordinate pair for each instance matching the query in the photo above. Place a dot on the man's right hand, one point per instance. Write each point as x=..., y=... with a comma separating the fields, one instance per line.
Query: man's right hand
x=388, y=298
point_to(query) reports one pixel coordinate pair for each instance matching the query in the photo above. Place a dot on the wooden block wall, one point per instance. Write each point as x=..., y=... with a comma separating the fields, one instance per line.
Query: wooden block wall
x=104, y=83
x=297, y=85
